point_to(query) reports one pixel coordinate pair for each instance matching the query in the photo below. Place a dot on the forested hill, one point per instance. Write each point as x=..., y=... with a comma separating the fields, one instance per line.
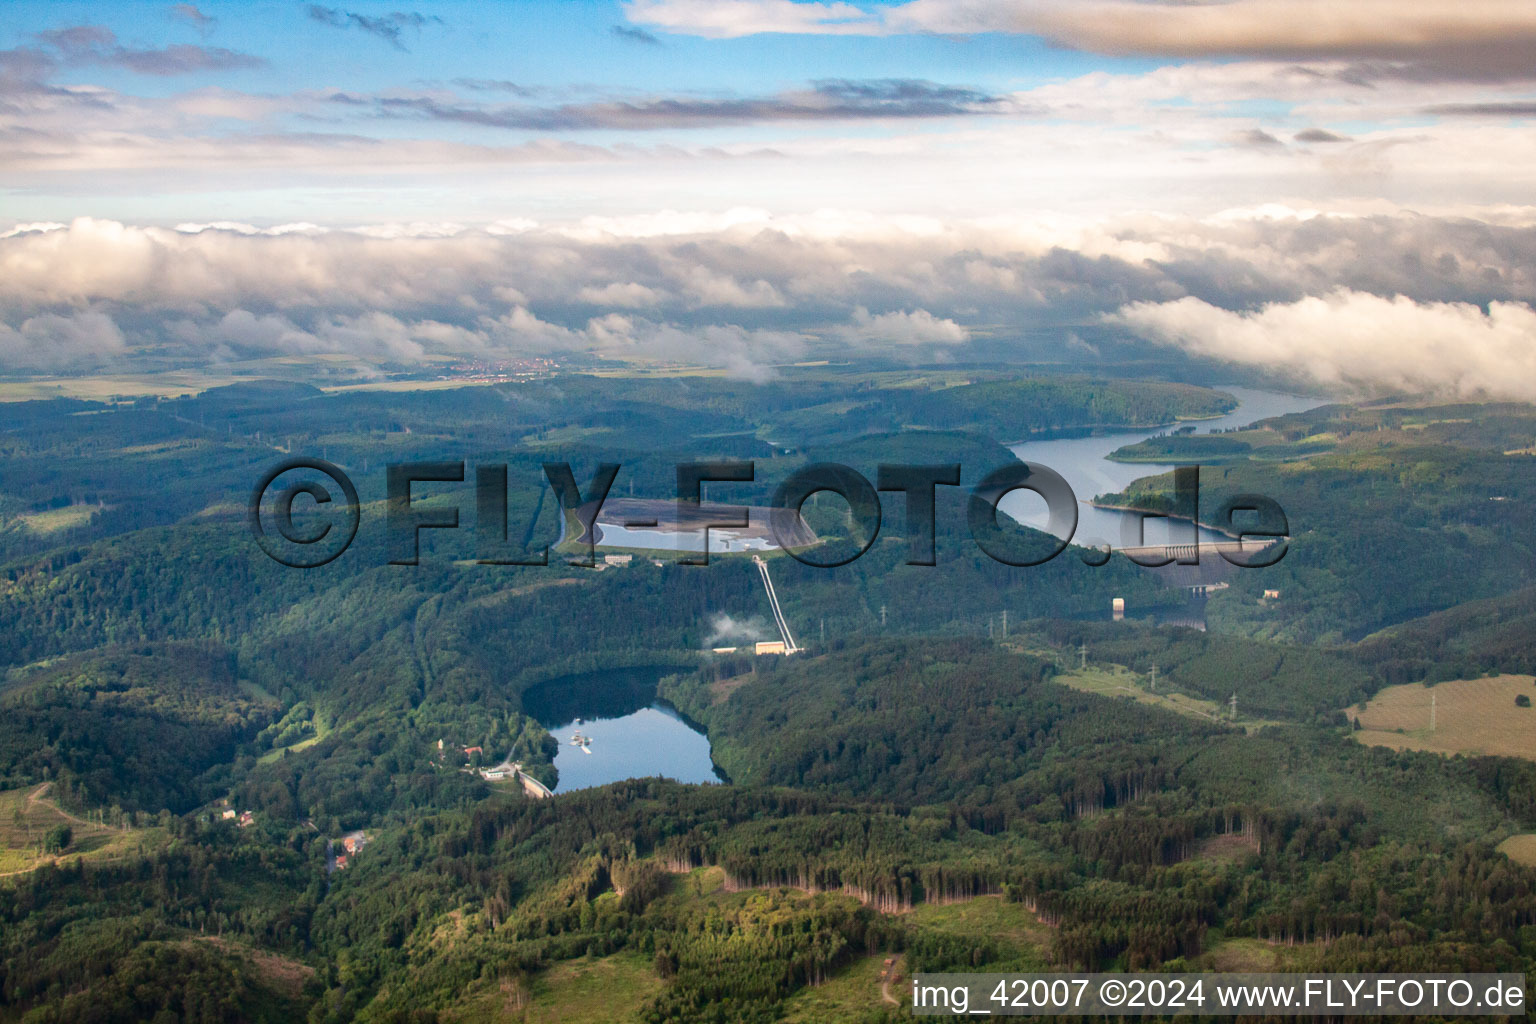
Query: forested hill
x=342, y=676
x=189, y=729
x=1104, y=835
x=77, y=471
x=1396, y=512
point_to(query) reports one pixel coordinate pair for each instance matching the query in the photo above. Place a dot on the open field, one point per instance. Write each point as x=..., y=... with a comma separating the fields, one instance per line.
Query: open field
x=331, y=371
x=435, y=384
x=104, y=389
x=26, y=816
x=1520, y=849
x=1472, y=716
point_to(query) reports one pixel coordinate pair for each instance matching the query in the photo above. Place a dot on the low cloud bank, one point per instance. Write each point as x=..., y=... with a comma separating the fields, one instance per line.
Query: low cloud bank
x=1387, y=300
x=1362, y=341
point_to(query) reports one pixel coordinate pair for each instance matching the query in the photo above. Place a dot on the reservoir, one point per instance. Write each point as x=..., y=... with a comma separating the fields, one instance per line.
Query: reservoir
x=631, y=733
x=721, y=540
x=1084, y=461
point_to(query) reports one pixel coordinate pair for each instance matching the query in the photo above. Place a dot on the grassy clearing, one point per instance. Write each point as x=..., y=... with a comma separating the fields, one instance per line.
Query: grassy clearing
x=55, y=519
x=321, y=731
x=178, y=448
x=1118, y=681
x=1520, y=849
x=1472, y=716
x=721, y=689
x=282, y=974
x=1227, y=849
x=1024, y=940
x=304, y=744
x=849, y=994
x=616, y=988
x=612, y=988
x=1250, y=956
x=507, y=593
x=556, y=436
x=604, y=990
x=27, y=815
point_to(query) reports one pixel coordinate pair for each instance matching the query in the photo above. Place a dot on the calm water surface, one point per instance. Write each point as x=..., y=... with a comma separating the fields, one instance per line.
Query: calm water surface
x=1084, y=462
x=632, y=734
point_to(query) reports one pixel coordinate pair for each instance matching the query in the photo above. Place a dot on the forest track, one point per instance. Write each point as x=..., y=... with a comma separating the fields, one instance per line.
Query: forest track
x=887, y=978
x=36, y=797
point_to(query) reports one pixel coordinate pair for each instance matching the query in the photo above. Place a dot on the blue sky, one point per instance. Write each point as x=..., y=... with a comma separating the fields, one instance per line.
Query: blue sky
x=475, y=111
x=554, y=45
x=743, y=181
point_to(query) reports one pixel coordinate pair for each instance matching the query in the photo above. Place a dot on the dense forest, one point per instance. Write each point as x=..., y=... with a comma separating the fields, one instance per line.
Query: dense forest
x=934, y=778
x=1396, y=514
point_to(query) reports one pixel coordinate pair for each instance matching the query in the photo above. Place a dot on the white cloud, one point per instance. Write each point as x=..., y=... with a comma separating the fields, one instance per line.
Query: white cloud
x=61, y=343
x=741, y=352
x=744, y=295
x=1367, y=341
x=621, y=295
x=709, y=288
x=1159, y=139
x=902, y=329
x=241, y=330
x=726, y=19
x=1465, y=31
x=40, y=226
